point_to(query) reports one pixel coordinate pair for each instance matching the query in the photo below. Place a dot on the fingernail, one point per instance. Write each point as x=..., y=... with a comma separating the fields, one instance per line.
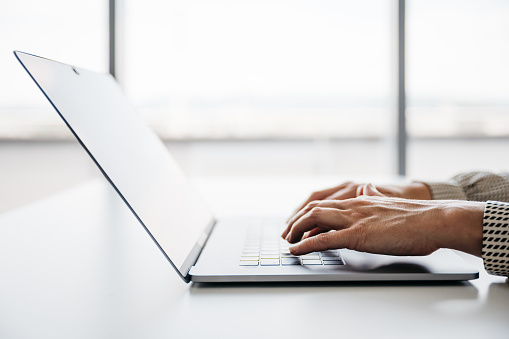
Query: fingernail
x=293, y=250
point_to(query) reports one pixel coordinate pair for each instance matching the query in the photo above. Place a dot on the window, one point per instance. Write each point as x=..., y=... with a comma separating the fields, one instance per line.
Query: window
x=321, y=71
x=457, y=86
x=67, y=31
x=260, y=69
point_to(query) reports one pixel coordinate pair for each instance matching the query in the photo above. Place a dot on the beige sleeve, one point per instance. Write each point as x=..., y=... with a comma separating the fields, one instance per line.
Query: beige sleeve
x=475, y=186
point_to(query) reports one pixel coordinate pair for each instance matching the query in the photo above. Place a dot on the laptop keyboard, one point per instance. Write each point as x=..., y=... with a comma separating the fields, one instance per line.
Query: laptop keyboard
x=265, y=247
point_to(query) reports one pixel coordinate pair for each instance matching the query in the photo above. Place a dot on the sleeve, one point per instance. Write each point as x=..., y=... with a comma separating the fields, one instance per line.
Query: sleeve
x=475, y=186
x=484, y=186
x=495, y=244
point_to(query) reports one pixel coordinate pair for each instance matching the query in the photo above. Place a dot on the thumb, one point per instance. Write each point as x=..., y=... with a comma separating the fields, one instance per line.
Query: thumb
x=322, y=242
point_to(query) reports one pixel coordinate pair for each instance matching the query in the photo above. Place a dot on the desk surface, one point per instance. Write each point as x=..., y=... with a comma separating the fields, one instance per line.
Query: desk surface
x=78, y=265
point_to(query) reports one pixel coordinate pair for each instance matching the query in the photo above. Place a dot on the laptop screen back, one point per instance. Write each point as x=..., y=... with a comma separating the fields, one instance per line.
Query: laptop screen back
x=128, y=152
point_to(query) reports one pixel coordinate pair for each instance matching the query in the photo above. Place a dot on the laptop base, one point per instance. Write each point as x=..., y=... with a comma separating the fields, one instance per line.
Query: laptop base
x=219, y=262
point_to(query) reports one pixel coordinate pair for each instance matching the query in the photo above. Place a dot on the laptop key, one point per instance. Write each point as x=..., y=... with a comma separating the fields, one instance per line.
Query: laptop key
x=270, y=256
x=331, y=258
x=264, y=248
x=310, y=257
x=290, y=261
x=249, y=258
x=269, y=262
x=250, y=254
x=269, y=252
x=311, y=262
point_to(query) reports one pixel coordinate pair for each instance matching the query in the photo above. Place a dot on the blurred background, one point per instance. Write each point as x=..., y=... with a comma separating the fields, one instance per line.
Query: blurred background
x=273, y=88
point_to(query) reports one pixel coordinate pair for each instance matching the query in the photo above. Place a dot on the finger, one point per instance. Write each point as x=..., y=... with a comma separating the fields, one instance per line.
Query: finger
x=345, y=193
x=323, y=217
x=360, y=190
x=321, y=195
x=370, y=189
x=306, y=209
x=313, y=232
x=322, y=242
x=297, y=216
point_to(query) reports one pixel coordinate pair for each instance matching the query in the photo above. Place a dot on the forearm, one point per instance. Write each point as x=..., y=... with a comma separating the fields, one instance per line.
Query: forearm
x=474, y=186
x=478, y=228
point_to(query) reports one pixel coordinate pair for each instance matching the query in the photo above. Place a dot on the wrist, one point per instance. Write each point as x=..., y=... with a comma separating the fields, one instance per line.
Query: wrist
x=417, y=190
x=461, y=226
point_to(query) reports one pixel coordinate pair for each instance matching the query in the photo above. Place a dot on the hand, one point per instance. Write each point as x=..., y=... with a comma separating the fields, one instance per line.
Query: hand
x=348, y=190
x=387, y=225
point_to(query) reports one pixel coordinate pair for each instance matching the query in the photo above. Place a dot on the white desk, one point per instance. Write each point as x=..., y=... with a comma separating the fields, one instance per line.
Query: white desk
x=78, y=265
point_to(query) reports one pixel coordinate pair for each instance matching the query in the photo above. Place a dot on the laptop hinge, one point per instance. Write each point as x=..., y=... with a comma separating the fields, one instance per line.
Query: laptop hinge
x=193, y=256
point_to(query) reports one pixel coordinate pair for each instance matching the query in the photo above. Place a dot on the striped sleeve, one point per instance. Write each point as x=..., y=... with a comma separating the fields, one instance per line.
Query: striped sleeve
x=495, y=244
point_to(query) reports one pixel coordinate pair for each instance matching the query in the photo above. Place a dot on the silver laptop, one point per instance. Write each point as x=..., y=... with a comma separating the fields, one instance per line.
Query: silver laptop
x=199, y=247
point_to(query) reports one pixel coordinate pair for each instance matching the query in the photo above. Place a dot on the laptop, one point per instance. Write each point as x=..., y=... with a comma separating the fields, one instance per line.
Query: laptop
x=200, y=247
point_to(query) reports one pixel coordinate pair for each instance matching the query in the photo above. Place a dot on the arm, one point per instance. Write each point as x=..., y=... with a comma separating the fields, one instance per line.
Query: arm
x=414, y=228
x=482, y=186
x=348, y=190
x=476, y=186
x=385, y=225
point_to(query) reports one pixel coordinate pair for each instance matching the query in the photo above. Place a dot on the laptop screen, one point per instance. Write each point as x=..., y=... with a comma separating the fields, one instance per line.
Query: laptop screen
x=128, y=153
